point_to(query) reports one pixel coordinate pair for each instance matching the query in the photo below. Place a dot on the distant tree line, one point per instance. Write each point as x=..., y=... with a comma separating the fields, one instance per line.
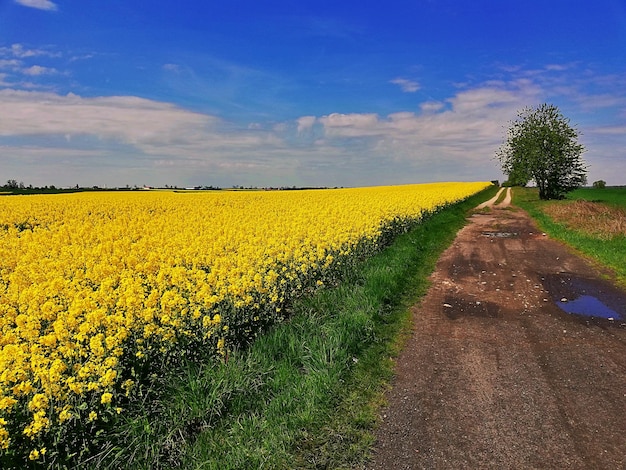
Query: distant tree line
x=15, y=187
x=13, y=184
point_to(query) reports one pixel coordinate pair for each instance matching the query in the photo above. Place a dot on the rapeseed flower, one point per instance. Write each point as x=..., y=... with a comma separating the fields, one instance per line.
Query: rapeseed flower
x=94, y=283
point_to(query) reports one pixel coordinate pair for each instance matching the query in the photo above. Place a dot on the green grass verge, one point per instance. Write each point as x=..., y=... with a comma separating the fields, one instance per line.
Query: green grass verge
x=609, y=253
x=305, y=394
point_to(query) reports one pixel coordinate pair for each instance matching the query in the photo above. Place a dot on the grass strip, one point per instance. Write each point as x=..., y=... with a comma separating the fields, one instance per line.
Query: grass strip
x=305, y=394
x=501, y=197
x=609, y=253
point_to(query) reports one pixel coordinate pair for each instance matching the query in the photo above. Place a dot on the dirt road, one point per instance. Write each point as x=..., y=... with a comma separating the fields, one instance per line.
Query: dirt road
x=491, y=202
x=496, y=375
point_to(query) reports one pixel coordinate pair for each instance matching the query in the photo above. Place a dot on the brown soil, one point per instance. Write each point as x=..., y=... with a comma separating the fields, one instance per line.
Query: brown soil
x=495, y=375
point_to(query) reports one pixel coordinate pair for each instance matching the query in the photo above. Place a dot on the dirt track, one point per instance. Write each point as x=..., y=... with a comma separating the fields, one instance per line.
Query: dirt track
x=495, y=374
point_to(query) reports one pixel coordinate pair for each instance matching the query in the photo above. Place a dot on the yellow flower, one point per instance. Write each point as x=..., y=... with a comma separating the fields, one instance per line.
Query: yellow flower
x=6, y=403
x=38, y=402
x=5, y=440
x=65, y=414
x=106, y=398
x=39, y=423
x=92, y=281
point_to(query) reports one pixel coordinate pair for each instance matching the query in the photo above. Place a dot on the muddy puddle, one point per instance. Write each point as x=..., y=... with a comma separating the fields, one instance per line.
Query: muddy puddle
x=588, y=306
x=588, y=300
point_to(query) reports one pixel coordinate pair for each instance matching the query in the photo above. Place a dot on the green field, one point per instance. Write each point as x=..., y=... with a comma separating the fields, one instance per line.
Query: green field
x=613, y=195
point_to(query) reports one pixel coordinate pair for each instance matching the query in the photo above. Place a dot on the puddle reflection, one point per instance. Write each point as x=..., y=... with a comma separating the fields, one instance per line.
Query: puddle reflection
x=589, y=306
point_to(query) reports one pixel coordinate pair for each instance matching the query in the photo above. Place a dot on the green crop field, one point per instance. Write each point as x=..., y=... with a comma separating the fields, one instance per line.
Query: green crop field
x=612, y=195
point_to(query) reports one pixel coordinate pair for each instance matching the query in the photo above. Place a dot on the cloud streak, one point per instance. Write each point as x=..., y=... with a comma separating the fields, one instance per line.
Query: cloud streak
x=38, y=4
x=128, y=119
x=406, y=85
x=16, y=61
x=36, y=70
x=18, y=51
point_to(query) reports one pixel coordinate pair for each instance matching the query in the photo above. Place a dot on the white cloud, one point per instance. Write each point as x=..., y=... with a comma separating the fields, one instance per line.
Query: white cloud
x=432, y=106
x=36, y=70
x=349, y=120
x=20, y=52
x=135, y=140
x=122, y=139
x=126, y=118
x=407, y=86
x=351, y=125
x=12, y=64
x=81, y=57
x=149, y=128
x=305, y=123
x=557, y=67
x=166, y=141
x=473, y=112
x=38, y=4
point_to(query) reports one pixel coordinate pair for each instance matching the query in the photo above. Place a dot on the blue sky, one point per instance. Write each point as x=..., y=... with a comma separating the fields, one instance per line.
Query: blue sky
x=299, y=93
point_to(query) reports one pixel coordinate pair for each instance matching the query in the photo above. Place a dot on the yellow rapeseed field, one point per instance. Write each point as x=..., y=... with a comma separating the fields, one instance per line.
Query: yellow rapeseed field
x=95, y=286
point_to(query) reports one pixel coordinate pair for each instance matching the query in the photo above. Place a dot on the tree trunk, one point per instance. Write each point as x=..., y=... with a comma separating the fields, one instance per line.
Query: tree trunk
x=543, y=194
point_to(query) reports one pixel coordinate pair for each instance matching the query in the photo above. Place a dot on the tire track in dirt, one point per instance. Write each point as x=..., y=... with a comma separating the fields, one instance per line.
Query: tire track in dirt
x=495, y=374
x=491, y=201
x=506, y=202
